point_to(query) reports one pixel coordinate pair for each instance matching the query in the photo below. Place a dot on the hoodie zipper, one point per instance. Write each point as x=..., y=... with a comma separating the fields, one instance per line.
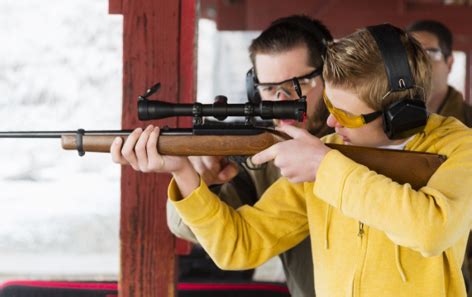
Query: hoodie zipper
x=361, y=230
x=362, y=234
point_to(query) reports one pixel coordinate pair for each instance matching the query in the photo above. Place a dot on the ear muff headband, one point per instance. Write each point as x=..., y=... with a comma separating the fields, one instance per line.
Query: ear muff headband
x=394, y=56
x=407, y=116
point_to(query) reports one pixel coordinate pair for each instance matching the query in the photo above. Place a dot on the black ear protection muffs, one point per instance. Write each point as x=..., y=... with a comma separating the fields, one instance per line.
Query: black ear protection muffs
x=408, y=116
x=252, y=93
x=251, y=78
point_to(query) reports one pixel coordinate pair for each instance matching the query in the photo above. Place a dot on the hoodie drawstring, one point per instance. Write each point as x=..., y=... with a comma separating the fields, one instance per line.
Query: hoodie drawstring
x=327, y=220
x=399, y=264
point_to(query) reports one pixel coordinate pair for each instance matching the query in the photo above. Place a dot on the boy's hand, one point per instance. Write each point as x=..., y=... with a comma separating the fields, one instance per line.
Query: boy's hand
x=298, y=158
x=140, y=151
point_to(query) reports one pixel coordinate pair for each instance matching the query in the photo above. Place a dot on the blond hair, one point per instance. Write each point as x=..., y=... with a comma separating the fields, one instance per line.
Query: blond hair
x=355, y=63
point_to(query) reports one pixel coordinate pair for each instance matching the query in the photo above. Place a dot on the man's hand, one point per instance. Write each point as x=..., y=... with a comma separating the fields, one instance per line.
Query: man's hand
x=214, y=170
x=298, y=158
x=140, y=151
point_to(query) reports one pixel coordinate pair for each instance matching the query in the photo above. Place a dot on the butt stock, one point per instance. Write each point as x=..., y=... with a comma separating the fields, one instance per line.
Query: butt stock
x=415, y=168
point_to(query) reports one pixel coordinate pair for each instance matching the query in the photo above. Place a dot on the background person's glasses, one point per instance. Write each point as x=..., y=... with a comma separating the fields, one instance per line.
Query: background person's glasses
x=435, y=54
x=268, y=91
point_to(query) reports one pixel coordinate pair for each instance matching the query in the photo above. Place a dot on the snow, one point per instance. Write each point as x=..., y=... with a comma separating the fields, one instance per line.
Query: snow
x=60, y=69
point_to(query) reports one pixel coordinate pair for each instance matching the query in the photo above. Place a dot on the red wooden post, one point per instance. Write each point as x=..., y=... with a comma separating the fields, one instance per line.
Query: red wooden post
x=468, y=77
x=187, y=71
x=115, y=6
x=158, y=46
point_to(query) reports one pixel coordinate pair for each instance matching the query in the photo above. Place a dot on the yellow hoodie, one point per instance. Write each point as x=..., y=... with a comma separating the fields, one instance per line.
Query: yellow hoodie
x=370, y=236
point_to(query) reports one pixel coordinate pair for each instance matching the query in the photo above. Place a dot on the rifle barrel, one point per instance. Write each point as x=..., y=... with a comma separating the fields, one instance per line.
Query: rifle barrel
x=59, y=134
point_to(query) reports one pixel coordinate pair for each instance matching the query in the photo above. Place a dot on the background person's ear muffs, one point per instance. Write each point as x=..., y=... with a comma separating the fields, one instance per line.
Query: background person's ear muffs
x=251, y=81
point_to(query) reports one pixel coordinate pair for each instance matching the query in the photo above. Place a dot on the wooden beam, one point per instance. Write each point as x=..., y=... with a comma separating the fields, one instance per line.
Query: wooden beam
x=158, y=46
x=115, y=6
x=233, y=14
x=344, y=16
x=468, y=77
x=188, y=75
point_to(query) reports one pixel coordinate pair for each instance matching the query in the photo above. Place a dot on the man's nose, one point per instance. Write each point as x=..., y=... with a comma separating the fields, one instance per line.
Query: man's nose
x=332, y=122
x=283, y=94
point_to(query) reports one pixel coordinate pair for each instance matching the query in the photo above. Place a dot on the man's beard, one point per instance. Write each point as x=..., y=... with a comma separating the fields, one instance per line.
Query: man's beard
x=316, y=122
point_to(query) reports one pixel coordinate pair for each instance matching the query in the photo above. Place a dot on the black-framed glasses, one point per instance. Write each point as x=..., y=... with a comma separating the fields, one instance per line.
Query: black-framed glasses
x=304, y=84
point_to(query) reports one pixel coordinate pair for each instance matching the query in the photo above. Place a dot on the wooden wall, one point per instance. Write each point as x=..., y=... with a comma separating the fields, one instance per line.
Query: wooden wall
x=344, y=16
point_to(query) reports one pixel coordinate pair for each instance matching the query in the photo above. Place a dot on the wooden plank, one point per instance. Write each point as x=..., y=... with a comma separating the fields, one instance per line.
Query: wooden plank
x=344, y=16
x=231, y=15
x=115, y=6
x=188, y=52
x=151, y=54
x=187, y=75
x=468, y=77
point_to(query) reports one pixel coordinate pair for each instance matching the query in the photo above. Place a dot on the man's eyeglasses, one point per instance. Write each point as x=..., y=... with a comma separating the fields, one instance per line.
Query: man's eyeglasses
x=435, y=54
x=347, y=119
x=268, y=91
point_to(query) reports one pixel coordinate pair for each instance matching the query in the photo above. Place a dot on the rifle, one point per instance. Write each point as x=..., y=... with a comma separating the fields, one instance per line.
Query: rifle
x=223, y=139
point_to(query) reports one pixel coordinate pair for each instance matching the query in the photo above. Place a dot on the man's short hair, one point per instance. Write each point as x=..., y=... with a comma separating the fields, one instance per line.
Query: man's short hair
x=442, y=33
x=355, y=63
x=290, y=32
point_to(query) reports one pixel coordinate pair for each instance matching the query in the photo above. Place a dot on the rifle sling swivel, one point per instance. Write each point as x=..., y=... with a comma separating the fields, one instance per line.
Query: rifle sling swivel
x=80, y=142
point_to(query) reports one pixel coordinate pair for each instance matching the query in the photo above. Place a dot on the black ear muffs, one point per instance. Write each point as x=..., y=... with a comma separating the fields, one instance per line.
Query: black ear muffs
x=408, y=116
x=251, y=80
x=404, y=118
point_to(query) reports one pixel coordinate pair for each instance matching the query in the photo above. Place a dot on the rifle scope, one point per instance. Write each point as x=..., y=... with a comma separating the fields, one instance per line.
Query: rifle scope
x=290, y=109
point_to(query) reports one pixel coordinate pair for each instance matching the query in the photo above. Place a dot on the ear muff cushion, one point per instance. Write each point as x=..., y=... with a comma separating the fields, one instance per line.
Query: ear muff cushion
x=404, y=118
x=252, y=94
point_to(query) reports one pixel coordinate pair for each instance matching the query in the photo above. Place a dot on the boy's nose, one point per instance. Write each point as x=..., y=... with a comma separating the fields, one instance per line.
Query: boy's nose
x=332, y=122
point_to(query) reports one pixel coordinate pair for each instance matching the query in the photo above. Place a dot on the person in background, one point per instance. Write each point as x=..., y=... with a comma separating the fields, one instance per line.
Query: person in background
x=290, y=47
x=437, y=40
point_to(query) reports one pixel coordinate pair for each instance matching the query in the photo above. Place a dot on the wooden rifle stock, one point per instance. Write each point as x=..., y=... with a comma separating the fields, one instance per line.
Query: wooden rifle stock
x=187, y=144
x=414, y=168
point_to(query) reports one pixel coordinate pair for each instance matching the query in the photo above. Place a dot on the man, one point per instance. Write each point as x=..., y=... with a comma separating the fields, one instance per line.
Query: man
x=370, y=236
x=290, y=47
x=437, y=41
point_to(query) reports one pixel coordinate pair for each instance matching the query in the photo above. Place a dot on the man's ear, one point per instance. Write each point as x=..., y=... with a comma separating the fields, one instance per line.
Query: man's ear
x=449, y=62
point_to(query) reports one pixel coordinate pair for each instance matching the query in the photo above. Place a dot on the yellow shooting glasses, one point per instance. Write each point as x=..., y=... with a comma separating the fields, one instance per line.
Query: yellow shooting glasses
x=347, y=119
